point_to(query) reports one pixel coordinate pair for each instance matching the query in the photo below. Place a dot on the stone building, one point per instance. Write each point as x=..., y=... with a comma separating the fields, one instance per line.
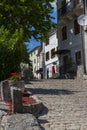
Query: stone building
x=72, y=38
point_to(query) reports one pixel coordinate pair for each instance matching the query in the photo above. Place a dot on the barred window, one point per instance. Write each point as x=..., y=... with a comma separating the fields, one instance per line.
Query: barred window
x=47, y=56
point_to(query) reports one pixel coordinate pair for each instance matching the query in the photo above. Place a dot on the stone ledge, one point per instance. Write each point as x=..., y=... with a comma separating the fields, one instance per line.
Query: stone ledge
x=34, y=108
x=19, y=122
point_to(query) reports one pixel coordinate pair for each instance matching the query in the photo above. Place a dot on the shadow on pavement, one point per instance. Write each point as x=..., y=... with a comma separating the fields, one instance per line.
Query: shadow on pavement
x=42, y=121
x=50, y=91
x=44, y=112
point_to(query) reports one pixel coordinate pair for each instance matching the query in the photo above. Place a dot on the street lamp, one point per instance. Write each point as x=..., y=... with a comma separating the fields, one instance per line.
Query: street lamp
x=82, y=21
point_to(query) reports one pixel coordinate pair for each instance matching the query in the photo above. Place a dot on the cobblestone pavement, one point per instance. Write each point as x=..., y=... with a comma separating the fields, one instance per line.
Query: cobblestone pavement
x=65, y=101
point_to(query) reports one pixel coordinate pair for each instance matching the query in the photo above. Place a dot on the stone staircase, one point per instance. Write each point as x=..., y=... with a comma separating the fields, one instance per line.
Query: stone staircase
x=65, y=101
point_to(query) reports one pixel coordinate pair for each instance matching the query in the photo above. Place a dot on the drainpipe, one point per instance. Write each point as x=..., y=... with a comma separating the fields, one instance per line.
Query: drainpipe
x=84, y=6
x=83, y=39
x=59, y=58
x=43, y=58
x=83, y=34
x=83, y=48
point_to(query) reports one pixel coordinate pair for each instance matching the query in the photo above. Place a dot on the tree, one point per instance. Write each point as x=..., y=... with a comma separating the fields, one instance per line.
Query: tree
x=19, y=21
x=32, y=17
x=12, y=52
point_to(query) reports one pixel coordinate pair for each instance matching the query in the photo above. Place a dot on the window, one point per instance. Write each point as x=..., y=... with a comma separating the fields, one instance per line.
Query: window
x=76, y=27
x=52, y=53
x=47, y=41
x=78, y=57
x=47, y=56
x=64, y=33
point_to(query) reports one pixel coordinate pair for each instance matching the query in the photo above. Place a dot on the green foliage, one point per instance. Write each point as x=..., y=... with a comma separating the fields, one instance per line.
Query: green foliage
x=32, y=16
x=19, y=21
x=12, y=52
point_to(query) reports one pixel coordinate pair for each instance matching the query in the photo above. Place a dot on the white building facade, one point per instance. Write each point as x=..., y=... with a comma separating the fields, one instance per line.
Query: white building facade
x=40, y=61
x=51, y=60
x=35, y=63
x=70, y=34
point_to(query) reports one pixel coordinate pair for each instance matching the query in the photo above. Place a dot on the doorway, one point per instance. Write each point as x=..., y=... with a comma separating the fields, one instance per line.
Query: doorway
x=65, y=64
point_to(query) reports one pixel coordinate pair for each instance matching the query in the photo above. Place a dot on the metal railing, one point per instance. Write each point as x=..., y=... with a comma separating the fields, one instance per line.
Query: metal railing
x=69, y=6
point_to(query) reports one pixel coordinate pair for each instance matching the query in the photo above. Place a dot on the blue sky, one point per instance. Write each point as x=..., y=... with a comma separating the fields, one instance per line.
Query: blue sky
x=33, y=43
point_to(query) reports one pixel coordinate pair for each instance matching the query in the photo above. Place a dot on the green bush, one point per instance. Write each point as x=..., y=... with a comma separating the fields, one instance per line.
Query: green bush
x=12, y=52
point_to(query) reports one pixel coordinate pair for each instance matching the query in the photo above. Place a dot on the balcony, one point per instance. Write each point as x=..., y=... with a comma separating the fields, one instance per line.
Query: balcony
x=74, y=6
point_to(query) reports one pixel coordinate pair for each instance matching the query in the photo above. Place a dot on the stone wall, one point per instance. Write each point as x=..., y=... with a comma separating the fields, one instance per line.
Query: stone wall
x=11, y=104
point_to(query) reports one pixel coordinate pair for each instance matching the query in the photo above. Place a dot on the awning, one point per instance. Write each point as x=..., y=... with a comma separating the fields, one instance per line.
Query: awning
x=61, y=52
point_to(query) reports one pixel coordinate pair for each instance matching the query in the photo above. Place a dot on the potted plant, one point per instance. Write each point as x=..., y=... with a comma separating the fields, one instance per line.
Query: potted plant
x=15, y=80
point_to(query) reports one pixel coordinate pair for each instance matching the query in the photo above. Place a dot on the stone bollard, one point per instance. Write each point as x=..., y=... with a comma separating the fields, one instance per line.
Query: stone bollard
x=17, y=89
x=5, y=91
x=17, y=101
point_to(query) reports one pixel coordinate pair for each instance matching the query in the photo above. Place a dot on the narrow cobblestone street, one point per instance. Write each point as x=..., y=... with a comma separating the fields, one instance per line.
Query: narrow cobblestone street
x=65, y=102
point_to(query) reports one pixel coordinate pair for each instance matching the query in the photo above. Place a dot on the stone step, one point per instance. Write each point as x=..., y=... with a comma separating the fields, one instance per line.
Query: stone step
x=66, y=102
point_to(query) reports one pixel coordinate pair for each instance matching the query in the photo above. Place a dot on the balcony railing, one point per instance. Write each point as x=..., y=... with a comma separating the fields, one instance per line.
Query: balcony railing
x=69, y=6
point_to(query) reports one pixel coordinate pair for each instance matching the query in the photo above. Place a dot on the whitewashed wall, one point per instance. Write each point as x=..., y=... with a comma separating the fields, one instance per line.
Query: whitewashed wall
x=53, y=43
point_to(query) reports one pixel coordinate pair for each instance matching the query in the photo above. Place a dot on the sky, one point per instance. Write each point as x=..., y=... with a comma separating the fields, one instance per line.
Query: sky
x=33, y=43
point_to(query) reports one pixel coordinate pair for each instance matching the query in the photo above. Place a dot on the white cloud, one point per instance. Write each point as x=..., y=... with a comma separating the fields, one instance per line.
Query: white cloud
x=54, y=5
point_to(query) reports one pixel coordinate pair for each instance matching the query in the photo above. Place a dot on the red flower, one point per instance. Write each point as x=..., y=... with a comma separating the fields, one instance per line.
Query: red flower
x=14, y=74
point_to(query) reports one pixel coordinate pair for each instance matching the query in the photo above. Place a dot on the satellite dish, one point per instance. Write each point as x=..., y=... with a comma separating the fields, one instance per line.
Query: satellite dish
x=82, y=20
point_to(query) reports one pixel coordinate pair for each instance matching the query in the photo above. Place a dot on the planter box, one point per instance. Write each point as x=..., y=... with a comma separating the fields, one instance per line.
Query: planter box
x=11, y=92
x=17, y=84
